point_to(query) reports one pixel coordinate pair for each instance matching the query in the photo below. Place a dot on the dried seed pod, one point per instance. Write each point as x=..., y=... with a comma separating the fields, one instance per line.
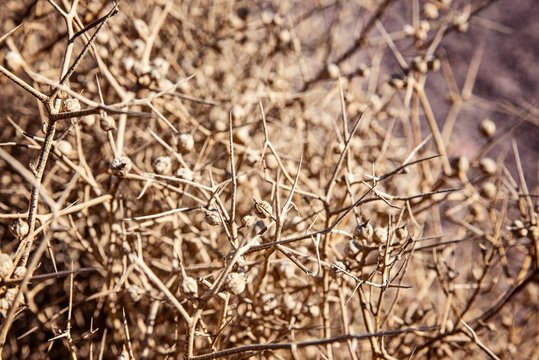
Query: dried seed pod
x=420, y=65
x=120, y=166
x=19, y=228
x=461, y=21
x=363, y=70
x=189, y=286
x=4, y=307
x=488, y=166
x=107, y=123
x=185, y=174
x=20, y=272
x=13, y=61
x=271, y=162
x=380, y=235
x=235, y=283
x=463, y=164
x=314, y=311
x=186, y=143
x=401, y=232
x=431, y=11
x=433, y=64
x=487, y=128
x=263, y=209
x=212, y=217
x=333, y=71
x=162, y=165
x=6, y=265
x=337, y=269
x=238, y=112
x=338, y=148
x=364, y=232
x=88, y=121
x=478, y=213
x=398, y=81
x=284, y=36
x=248, y=221
x=242, y=135
x=488, y=190
x=253, y=157
x=408, y=29
x=135, y=292
x=70, y=105
x=289, y=302
x=64, y=147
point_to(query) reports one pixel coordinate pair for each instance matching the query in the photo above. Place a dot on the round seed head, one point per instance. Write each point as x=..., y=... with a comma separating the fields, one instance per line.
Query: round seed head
x=420, y=65
x=488, y=190
x=235, y=283
x=431, y=11
x=20, y=271
x=238, y=111
x=398, y=81
x=263, y=209
x=13, y=61
x=337, y=269
x=189, y=286
x=363, y=231
x=120, y=166
x=70, y=105
x=185, y=174
x=380, y=235
x=162, y=164
x=333, y=71
x=212, y=217
x=6, y=265
x=19, y=228
x=107, y=123
x=248, y=221
x=186, y=143
x=402, y=232
x=488, y=166
x=487, y=128
x=284, y=36
x=64, y=147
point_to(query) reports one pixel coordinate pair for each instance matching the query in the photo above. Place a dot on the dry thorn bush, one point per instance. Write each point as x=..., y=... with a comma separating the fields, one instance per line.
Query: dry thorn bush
x=267, y=179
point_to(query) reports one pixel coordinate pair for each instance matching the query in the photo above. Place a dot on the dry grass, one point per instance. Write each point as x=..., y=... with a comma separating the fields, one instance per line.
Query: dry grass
x=268, y=179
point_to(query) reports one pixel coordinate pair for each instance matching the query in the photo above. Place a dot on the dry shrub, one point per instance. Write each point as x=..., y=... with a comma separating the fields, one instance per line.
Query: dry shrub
x=269, y=179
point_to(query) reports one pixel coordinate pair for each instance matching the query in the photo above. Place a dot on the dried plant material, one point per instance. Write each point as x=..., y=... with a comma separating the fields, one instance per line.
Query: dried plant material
x=378, y=212
x=120, y=166
x=107, y=123
x=19, y=228
x=189, y=286
x=184, y=174
x=212, y=217
x=162, y=165
x=6, y=265
x=186, y=143
x=488, y=190
x=488, y=166
x=235, y=283
x=263, y=209
x=69, y=105
x=364, y=232
x=64, y=147
x=487, y=128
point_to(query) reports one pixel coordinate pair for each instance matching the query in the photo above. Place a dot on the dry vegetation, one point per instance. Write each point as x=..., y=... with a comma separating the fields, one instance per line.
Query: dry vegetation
x=267, y=179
